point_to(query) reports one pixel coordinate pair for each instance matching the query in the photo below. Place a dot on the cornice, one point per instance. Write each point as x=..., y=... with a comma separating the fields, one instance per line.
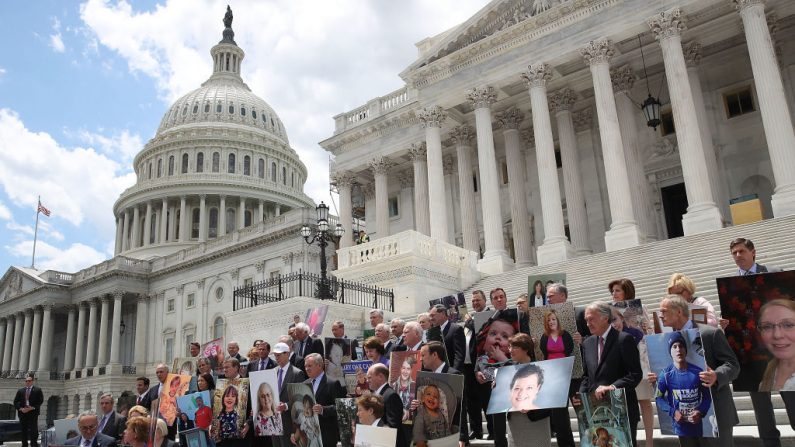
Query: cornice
x=373, y=130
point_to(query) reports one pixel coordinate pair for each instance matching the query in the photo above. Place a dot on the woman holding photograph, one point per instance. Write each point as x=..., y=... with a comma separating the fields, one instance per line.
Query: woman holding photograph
x=777, y=328
x=680, y=284
x=525, y=386
x=538, y=298
x=556, y=343
x=268, y=421
x=624, y=290
x=405, y=387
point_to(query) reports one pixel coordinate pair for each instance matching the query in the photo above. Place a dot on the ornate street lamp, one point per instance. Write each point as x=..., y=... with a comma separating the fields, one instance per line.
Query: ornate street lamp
x=651, y=106
x=322, y=236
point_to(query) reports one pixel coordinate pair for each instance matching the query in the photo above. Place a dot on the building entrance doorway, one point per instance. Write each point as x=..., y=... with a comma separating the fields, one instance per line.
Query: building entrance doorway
x=674, y=201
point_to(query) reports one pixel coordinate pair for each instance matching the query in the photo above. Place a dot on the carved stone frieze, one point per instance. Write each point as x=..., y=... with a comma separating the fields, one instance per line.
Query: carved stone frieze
x=406, y=178
x=260, y=266
x=462, y=134
x=529, y=137
x=562, y=99
x=537, y=75
x=623, y=79
x=598, y=51
x=234, y=273
x=380, y=165
x=667, y=24
x=481, y=97
x=343, y=179
x=179, y=289
x=432, y=116
x=418, y=152
x=510, y=119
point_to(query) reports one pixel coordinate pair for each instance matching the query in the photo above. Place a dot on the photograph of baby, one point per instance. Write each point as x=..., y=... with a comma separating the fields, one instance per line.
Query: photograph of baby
x=552, y=329
x=338, y=352
x=760, y=351
x=492, y=342
x=531, y=386
x=455, y=304
x=346, y=420
x=437, y=420
x=684, y=404
x=374, y=436
x=175, y=385
x=184, y=365
x=196, y=406
x=305, y=431
x=537, y=287
x=403, y=369
x=230, y=403
x=215, y=350
x=603, y=422
x=264, y=400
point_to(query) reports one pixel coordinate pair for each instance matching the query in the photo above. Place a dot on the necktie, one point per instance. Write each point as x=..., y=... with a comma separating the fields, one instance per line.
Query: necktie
x=27, y=394
x=601, y=348
x=104, y=421
x=86, y=443
x=280, y=378
x=261, y=365
x=139, y=400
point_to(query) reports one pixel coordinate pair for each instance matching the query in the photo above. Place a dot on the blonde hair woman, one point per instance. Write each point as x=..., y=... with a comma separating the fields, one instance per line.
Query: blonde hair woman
x=680, y=284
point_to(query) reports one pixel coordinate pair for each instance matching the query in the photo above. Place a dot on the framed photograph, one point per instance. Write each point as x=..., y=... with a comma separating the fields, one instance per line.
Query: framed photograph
x=338, y=352
x=531, y=386
x=306, y=425
x=176, y=385
x=346, y=420
x=264, y=400
x=604, y=422
x=537, y=287
x=214, y=350
x=195, y=437
x=439, y=413
x=552, y=328
x=315, y=319
x=185, y=366
x=495, y=333
x=230, y=404
x=193, y=402
x=403, y=369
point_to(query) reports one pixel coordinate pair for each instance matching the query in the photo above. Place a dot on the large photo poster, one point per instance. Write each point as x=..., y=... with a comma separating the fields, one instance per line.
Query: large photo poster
x=531, y=386
x=440, y=395
x=630, y=316
x=492, y=341
x=346, y=420
x=741, y=301
x=214, y=351
x=264, y=400
x=604, y=422
x=305, y=431
x=537, y=287
x=403, y=369
x=230, y=404
x=684, y=404
x=316, y=318
x=552, y=328
x=455, y=304
x=175, y=385
x=338, y=352
x=196, y=407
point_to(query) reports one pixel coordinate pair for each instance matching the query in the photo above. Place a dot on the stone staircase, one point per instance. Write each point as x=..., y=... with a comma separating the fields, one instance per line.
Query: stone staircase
x=702, y=257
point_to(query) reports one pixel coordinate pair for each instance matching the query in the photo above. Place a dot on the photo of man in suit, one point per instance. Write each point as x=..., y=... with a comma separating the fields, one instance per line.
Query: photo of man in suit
x=28, y=402
x=610, y=361
x=286, y=373
x=454, y=339
x=111, y=423
x=326, y=391
x=88, y=426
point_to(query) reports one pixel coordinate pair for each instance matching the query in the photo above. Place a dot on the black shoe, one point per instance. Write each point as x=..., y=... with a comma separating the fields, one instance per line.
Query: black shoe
x=475, y=435
x=490, y=437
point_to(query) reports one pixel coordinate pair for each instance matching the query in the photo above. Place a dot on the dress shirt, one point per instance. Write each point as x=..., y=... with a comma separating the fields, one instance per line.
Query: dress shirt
x=378, y=391
x=375, y=422
x=416, y=347
x=86, y=442
x=316, y=382
x=750, y=271
x=444, y=325
x=440, y=368
x=603, y=337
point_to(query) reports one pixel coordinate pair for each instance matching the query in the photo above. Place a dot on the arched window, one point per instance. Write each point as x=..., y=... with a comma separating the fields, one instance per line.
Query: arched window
x=292, y=180
x=152, y=230
x=231, y=167
x=218, y=108
x=218, y=327
x=177, y=216
x=200, y=162
x=242, y=111
x=246, y=165
x=195, y=108
x=159, y=167
x=231, y=109
x=213, y=223
x=171, y=165
x=284, y=175
x=207, y=108
x=254, y=114
x=230, y=220
x=184, y=163
x=261, y=168
x=150, y=171
x=273, y=171
x=194, y=227
x=216, y=161
x=247, y=219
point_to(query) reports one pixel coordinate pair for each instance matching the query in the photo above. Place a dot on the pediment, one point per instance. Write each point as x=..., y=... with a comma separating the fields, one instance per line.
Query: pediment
x=18, y=281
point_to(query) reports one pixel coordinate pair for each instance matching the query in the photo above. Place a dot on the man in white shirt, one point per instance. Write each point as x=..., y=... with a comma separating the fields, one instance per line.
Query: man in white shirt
x=285, y=373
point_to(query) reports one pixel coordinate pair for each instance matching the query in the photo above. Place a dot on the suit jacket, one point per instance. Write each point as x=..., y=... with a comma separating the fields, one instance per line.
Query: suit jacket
x=765, y=269
x=327, y=392
x=405, y=347
x=392, y=344
x=721, y=358
x=100, y=440
x=620, y=367
x=582, y=327
x=455, y=344
x=115, y=425
x=393, y=415
x=150, y=396
x=312, y=345
x=292, y=375
x=254, y=366
x=35, y=400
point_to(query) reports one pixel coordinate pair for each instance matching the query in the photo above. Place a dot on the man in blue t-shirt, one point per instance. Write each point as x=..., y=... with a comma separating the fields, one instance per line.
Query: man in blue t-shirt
x=680, y=392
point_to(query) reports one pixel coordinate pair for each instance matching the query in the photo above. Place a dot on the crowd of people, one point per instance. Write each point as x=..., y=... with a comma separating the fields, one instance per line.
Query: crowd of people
x=610, y=360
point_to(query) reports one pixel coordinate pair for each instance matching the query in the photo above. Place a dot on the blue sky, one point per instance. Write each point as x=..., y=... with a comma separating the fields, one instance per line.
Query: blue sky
x=83, y=86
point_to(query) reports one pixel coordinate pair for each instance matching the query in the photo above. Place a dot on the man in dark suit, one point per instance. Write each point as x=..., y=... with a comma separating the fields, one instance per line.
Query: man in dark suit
x=88, y=426
x=111, y=423
x=412, y=337
x=454, y=340
x=326, y=392
x=304, y=345
x=161, y=371
x=744, y=254
x=723, y=367
x=338, y=330
x=141, y=389
x=264, y=362
x=610, y=361
x=377, y=376
x=396, y=329
x=285, y=373
x=28, y=402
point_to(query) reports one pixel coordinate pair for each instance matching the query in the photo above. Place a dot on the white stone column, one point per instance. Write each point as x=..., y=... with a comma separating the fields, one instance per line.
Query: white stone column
x=222, y=216
x=164, y=221
x=183, y=219
x=69, y=349
x=241, y=215
x=623, y=79
x=556, y=248
x=462, y=137
x=19, y=324
x=448, y=165
x=115, y=334
x=172, y=223
x=417, y=154
x=136, y=228
x=3, y=325
x=24, y=352
x=80, y=347
x=8, y=346
x=102, y=358
x=202, y=217
x=277, y=210
x=119, y=227
x=432, y=119
x=91, y=350
x=35, y=341
x=125, y=238
x=624, y=231
x=561, y=103
x=510, y=120
x=495, y=258
x=148, y=224
x=344, y=181
x=702, y=213
x=260, y=211
x=776, y=115
x=46, y=340
x=380, y=166
x=141, y=319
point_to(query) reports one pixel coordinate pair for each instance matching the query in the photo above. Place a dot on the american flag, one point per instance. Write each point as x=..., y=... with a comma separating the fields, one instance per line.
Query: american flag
x=43, y=210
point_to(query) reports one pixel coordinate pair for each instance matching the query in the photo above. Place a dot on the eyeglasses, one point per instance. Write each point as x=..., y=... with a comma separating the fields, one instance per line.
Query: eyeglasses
x=784, y=326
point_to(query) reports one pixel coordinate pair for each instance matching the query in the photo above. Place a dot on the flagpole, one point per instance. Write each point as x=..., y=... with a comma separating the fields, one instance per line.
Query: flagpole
x=35, y=234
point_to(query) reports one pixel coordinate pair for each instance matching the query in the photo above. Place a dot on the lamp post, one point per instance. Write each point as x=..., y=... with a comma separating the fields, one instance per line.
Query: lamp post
x=322, y=236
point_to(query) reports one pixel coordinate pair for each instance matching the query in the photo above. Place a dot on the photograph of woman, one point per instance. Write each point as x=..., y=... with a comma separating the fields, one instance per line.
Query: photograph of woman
x=538, y=296
x=777, y=330
x=338, y=351
x=405, y=385
x=556, y=342
x=267, y=421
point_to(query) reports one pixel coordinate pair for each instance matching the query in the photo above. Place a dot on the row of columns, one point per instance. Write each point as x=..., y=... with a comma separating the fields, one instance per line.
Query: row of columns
x=129, y=226
x=632, y=219
x=94, y=352
x=26, y=340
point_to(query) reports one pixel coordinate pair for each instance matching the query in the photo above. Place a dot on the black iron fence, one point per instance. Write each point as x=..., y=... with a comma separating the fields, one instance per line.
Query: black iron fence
x=306, y=284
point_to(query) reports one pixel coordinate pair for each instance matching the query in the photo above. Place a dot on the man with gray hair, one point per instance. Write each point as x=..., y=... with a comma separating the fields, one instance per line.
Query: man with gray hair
x=453, y=334
x=304, y=345
x=396, y=328
x=610, y=361
x=326, y=392
x=412, y=337
x=112, y=423
x=88, y=426
x=376, y=317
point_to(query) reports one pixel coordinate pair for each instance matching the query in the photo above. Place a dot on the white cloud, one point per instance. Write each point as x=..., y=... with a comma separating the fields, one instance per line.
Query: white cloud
x=48, y=257
x=5, y=213
x=56, y=41
x=122, y=143
x=17, y=228
x=2, y=71
x=309, y=60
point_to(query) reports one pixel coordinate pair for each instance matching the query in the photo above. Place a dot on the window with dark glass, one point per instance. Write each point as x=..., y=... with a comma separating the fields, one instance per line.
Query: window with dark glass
x=159, y=167
x=200, y=162
x=207, y=108
x=284, y=175
x=261, y=168
x=231, y=167
x=667, y=123
x=218, y=108
x=739, y=102
x=247, y=219
x=216, y=161
x=171, y=165
x=194, y=230
x=184, y=163
x=246, y=165
x=242, y=111
x=213, y=229
x=273, y=171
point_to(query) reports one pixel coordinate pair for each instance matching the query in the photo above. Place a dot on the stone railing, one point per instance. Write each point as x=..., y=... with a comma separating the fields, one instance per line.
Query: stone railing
x=58, y=277
x=374, y=108
x=406, y=243
x=117, y=263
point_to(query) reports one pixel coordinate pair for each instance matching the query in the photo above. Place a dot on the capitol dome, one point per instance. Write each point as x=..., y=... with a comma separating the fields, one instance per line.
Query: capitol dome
x=219, y=163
